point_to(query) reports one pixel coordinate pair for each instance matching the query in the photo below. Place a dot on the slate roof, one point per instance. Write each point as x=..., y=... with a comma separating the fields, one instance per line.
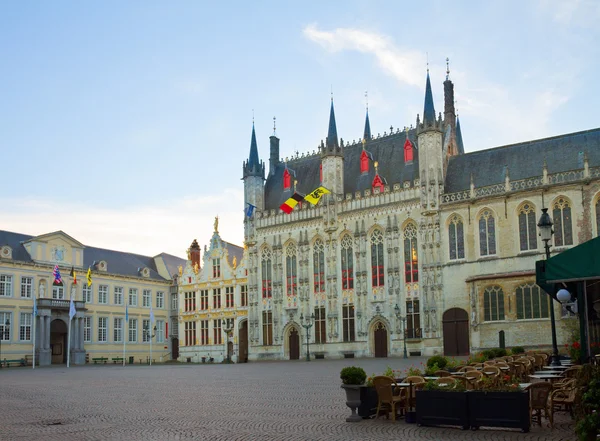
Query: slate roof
x=172, y=263
x=118, y=262
x=233, y=251
x=523, y=160
x=387, y=150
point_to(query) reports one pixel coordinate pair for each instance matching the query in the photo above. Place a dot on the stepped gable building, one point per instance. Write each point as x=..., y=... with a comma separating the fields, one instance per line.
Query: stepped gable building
x=213, y=301
x=419, y=243
x=98, y=327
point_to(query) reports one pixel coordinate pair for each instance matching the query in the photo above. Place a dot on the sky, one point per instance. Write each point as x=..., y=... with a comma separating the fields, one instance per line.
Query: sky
x=125, y=124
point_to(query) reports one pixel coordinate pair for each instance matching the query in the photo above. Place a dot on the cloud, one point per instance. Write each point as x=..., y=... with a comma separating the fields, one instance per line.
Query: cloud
x=149, y=230
x=578, y=13
x=403, y=64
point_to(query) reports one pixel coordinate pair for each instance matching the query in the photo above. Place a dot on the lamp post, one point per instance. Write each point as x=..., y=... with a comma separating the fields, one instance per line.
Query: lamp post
x=403, y=320
x=307, y=324
x=228, y=329
x=2, y=336
x=149, y=336
x=546, y=232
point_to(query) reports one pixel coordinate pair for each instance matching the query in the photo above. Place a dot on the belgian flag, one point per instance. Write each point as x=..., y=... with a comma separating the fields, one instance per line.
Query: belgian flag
x=72, y=274
x=289, y=205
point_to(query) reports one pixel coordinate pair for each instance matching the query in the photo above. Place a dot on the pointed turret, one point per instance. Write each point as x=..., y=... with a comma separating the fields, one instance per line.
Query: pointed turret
x=428, y=110
x=331, y=144
x=459, y=140
x=253, y=158
x=367, y=134
x=254, y=166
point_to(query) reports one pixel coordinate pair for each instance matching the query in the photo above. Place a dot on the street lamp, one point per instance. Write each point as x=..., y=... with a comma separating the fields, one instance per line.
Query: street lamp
x=403, y=320
x=4, y=334
x=149, y=336
x=546, y=232
x=308, y=323
x=228, y=329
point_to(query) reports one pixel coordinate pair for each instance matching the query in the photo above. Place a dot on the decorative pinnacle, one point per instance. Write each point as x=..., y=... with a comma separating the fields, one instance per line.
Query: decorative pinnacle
x=274, y=126
x=447, y=68
x=367, y=99
x=376, y=165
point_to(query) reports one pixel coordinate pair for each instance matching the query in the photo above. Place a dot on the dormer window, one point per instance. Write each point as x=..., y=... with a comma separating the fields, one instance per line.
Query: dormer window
x=408, y=151
x=364, y=162
x=321, y=173
x=287, y=180
x=216, y=268
x=378, y=183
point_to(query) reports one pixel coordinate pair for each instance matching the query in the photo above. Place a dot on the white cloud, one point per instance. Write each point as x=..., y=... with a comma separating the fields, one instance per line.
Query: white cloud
x=403, y=64
x=149, y=230
x=578, y=13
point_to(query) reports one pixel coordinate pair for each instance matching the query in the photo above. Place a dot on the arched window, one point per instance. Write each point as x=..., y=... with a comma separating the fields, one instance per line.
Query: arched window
x=291, y=270
x=411, y=254
x=456, y=238
x=532, y=302
x=487, y=234
x=364, y=162
x=266, y=275
x=347, y=263
x=319, y=266
x=287, y=180
x=408, y=151
x=563, y=229
x=377, y=267
x=493, y=304
x=527, y=227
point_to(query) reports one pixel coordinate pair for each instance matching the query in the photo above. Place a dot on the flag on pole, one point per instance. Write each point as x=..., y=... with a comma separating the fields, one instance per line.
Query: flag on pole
x=151, y=315
x=289, y=205
x=72, y=274
x=35, y=311
x=126, y=313
x=72, y=310
x=250, y=209
x=56, y=274
x=89, y=276
x=315, y=196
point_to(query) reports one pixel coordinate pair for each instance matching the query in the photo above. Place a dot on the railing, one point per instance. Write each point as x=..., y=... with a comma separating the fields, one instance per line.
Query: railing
x=59, y=304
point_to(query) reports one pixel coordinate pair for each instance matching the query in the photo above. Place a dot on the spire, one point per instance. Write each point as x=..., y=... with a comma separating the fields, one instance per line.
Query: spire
x=253, y=158
x=367, y=134
x=428, y=111
x=459, y=140
x=254, y=166
x=332, y=138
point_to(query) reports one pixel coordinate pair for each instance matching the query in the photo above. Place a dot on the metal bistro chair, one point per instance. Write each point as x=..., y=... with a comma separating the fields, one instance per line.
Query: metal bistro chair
x=386, y=400
x=539, y=403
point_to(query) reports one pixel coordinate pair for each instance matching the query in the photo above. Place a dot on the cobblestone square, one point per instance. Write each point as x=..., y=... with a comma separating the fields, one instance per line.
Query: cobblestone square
x=256, y=401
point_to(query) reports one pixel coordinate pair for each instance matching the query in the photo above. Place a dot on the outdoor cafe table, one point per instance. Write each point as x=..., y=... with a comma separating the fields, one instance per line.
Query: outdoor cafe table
x=555, y=368
x=546, y=377
x=548, y=372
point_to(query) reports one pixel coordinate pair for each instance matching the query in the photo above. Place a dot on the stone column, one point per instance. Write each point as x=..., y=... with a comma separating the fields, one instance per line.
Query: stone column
x=74, y=336
x=47, y=337
x=40, y=326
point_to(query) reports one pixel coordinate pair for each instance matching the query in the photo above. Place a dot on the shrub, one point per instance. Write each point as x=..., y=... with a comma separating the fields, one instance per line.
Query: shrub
x=414, y=372
x=439, y=360
x=431, y=370
x=499, y=352
x=432, y=385
x=389, y=372
x=453, y=364
x=488, y=354
x=353, y=375
x=518, y=350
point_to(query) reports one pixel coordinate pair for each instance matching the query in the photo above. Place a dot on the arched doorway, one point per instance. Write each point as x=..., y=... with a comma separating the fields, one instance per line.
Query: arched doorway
x=174, y=348
x=381, y=336
x=243, y=342
x=456, y=332
x=294, y=344
x=58, y=341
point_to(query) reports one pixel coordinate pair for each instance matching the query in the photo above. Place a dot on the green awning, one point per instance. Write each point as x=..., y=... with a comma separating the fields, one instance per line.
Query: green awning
x=579, y=263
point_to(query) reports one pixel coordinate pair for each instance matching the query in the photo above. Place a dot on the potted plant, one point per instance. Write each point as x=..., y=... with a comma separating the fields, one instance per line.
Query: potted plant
x=442, y=405
x=353, y=378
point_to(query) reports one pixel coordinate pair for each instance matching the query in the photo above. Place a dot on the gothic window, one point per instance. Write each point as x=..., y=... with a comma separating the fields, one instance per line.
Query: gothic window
x=347, y=263
x=487, y=234
x=266, y=268
x=411, y=258
x=532, y=302
x=320, y=329
x=456, y=238
x=291, y=270
x=527, y=227
x=561, y=215
x=319, y=266
x=348, y=322
x=267, y=318
x=413, y=319
x=493, y=304
x=287, y=180
x=377, y=267
x=364, y=162
x=408, y=151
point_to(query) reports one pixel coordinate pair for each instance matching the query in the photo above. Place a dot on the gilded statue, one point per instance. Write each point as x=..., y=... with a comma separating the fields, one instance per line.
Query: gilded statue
x=180, y=270
x=234, y=262
x=196, y=268
x=216, y=224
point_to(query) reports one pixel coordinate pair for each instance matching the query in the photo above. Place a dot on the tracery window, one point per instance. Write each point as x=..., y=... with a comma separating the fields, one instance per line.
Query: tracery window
x=532, y=302
x=411, y=254
x=377, y=266
x=348, y=322
x=493, y=304
x=319, y=266
x=456, y=238
x=413, y=319
x=320, y=325
x=347, y=263
x=291, y=270
x=487, y=234
x=563, y=229
x=527, y=227
x=267, y=317
x=266, y=274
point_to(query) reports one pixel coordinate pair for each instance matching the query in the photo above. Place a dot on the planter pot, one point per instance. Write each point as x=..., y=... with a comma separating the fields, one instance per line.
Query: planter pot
x=368, y=401
x=438, y=408
x=352, y=401
x=499, y=409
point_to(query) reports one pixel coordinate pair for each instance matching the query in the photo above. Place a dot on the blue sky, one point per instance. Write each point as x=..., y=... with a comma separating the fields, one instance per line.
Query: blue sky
x=125, y=124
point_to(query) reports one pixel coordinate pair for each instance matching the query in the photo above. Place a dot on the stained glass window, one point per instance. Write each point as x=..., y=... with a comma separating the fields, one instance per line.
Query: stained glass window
x=267, y=280
x=291, y=270
x=319, y=266
x=377, y=267
x=493, y=304
x=532, y=302
x=411, y=254
x=456, y=238
x=487, y=234
x=563, y=230
x=347, y=263
x=527, y=227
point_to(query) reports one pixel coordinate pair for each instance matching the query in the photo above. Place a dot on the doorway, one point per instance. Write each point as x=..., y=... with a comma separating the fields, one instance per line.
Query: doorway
x=294, y=344
x=381, y=337
x=174, y=348
x=243, y=342
x=58, y=341
x=455, y=323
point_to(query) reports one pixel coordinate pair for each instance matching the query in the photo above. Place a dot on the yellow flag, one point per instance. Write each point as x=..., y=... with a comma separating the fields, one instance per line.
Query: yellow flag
x=315, y=196
x=89, y=276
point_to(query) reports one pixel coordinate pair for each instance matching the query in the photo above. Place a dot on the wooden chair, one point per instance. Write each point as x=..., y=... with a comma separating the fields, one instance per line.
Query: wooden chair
x=493, y=373
x=571, y=372
x=415, y=379
x=386, y=400
x=489, y=363
x=539, y=362
x=539, y=403
x=564, y=383
x=442, y=373
x=477, y=365
x=563, y=399
x=446, y=381
x=474, y=379
x=467, y=369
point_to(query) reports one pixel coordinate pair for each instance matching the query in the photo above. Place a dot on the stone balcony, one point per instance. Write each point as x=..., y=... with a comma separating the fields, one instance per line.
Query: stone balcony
x=60, y=304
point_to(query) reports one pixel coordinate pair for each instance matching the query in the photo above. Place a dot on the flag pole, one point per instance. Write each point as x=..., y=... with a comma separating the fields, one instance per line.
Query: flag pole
x=69, y=344
x=150, y=334
x=34, y=320
x=125, y=341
